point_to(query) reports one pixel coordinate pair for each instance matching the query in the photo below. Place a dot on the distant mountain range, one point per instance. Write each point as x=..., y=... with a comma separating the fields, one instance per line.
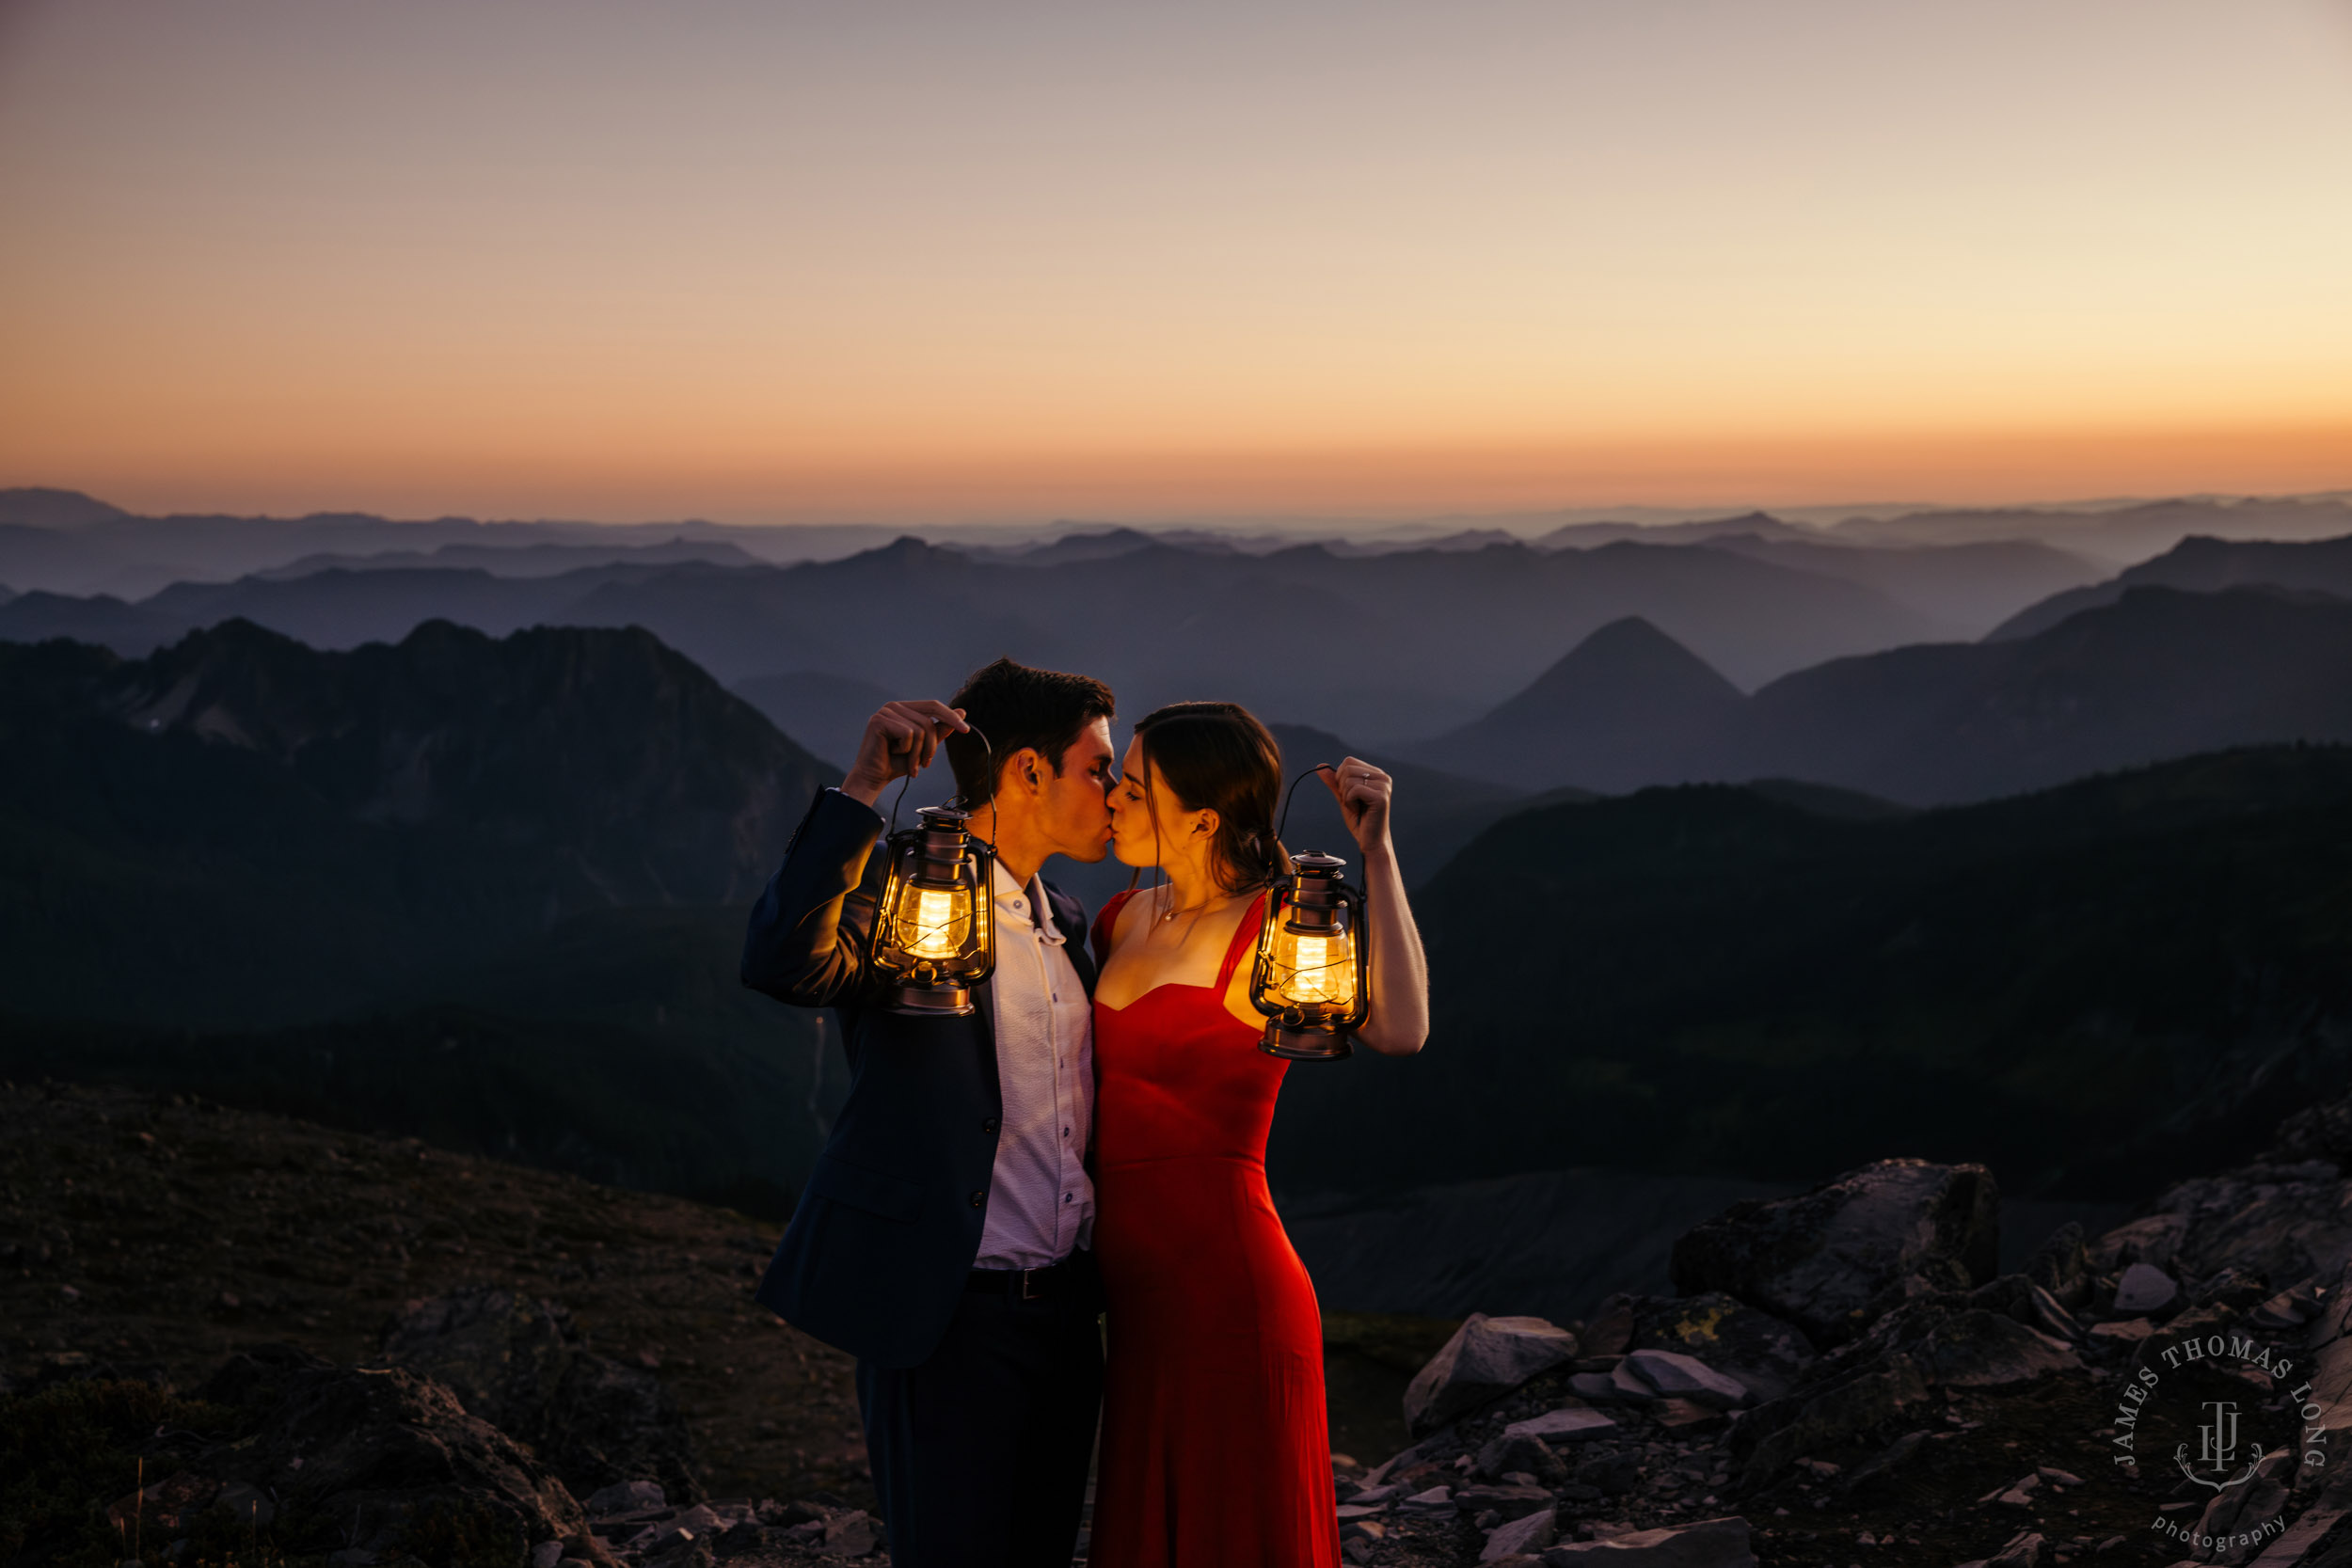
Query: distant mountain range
x=509, y=877
x=2157, y=673
x=2203, y=565
x=2075, y=986
x=1377, y=646
x=546, y=843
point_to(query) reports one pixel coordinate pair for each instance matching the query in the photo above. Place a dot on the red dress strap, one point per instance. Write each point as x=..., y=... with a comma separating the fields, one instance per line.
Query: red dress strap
x=1106, y=924
x=1245, y=937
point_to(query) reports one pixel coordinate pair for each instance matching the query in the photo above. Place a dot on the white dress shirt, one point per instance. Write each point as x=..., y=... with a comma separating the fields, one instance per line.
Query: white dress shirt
x=1041, y=1201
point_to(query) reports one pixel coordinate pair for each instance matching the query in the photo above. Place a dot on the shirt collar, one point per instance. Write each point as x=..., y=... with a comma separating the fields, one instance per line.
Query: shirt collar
x=1037, y=910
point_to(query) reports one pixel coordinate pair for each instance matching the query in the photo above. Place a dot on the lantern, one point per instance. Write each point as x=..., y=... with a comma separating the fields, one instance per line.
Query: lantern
x=933, y=931
x=1312, y=977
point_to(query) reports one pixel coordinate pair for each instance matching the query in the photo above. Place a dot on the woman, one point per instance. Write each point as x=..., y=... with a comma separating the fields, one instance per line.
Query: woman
x=1216, y=1449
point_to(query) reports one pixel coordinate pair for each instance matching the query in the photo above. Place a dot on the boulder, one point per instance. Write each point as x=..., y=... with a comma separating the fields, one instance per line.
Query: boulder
x=1819, y=1259
x=627, y=1496
x=1680, y=1376
x=2152, y=1239
x=1987, y=1349
x=2022, y=1550
x=1709, y=1543
x=1487, y=1358
x=1767, y=1355
x=520, y=1365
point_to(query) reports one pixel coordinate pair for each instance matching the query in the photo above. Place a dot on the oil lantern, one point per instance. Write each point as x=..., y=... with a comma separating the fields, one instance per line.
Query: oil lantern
x=933, y=934
x=1310, y=978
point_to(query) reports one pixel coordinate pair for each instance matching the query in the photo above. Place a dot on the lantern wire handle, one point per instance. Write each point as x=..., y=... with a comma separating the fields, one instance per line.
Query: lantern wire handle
x=1292, y=794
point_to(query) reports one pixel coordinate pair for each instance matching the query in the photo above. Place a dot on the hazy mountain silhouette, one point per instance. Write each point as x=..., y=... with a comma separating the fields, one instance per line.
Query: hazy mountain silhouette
x=1375, y=646
x=241, y=829
x=2120, y=533
x=2076, y=986
x=1620, y=708
x=2159, y=673
x=1968, y=588
x=1753, y=524
x=513, y=873
x=2203, y=565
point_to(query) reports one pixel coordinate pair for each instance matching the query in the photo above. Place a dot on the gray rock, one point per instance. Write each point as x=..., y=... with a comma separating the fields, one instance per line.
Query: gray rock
x=1767, y=1355
x=1821, y=1259
x=1629, y=1387
x=1685, y=1377
x=1988, y=1350
x=1569, y=1425
x=547, y=1554
x=1487, y=1358
x=853, y=1533
x=1709, y=1543
x=1508, y=1500
x=1437, y=1502
x=2145, y=1287
x=2022, y=1550
x=1594, y=1387
x=1529, y=1533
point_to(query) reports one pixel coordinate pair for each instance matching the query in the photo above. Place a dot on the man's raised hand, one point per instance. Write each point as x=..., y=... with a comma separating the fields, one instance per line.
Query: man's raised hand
x=899, y=742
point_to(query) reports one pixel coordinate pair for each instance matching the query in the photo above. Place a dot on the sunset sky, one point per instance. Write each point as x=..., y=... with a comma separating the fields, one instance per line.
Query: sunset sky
x=760, y=261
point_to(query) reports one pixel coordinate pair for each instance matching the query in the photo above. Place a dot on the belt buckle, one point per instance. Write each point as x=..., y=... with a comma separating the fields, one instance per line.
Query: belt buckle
x=1027, y=1294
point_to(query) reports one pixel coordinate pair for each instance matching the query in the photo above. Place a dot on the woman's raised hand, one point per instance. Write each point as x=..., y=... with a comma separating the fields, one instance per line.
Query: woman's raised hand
x=1363, y=793
x=900, y=741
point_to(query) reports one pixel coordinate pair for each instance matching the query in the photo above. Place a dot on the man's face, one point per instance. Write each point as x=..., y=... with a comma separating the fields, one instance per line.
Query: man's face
x=1074, y=810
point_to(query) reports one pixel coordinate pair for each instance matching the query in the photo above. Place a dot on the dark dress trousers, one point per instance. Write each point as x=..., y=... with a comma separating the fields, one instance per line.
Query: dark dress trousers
x=980, y=1408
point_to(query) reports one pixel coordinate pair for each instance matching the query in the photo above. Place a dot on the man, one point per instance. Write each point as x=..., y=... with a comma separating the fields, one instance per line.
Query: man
x=944, y=1236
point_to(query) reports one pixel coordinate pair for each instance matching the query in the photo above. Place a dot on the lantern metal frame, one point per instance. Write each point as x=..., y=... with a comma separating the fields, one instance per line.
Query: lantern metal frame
x=1312, y=899
x=923, y=986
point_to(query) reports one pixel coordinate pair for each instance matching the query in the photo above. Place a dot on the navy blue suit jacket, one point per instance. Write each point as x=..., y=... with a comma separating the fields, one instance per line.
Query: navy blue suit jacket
x=882, y=1243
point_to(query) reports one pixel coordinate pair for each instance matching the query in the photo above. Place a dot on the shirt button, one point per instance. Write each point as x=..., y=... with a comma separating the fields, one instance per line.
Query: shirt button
x=989, y=1126
x=1065, y=1197
x=979, y=1201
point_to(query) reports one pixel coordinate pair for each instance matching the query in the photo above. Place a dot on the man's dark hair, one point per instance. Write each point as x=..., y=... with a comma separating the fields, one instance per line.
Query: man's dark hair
x=1014, y=707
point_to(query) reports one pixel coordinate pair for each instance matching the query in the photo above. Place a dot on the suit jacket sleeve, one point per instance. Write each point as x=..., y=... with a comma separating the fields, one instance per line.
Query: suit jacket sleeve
x=807, y=939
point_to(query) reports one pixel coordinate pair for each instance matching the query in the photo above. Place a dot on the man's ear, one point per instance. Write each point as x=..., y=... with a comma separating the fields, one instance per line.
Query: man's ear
x=1026, y=763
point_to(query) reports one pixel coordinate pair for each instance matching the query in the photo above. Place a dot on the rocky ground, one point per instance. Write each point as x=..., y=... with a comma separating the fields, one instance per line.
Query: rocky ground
x=230, y=1338
x=156, y=1236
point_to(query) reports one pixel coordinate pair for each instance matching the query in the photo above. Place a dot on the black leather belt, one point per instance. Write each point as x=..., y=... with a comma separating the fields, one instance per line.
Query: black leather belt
x=1026, y=1284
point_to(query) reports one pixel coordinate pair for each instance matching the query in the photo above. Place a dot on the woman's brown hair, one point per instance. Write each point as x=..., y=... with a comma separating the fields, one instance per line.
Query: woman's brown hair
x=1218, y=757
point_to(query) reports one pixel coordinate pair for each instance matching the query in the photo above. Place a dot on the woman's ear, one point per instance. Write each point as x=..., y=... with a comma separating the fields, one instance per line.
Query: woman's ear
x=1207, y=822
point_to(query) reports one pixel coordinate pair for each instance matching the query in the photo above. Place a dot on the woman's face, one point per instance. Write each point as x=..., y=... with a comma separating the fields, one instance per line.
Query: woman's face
x=1132, y=837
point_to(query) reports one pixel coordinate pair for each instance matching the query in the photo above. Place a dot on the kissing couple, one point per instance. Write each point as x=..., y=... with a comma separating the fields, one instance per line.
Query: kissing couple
x=1086, y=1147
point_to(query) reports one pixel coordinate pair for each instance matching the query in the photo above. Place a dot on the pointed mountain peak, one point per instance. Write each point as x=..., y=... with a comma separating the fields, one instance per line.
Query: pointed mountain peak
x=1632, y=650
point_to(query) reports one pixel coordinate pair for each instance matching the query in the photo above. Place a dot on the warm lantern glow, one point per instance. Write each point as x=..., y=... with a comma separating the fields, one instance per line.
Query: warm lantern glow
x=1309, y=979
x=1318, y=969
x=936, y=923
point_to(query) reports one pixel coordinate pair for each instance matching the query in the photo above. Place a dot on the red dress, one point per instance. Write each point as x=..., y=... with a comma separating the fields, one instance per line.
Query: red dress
x=1216, y=1449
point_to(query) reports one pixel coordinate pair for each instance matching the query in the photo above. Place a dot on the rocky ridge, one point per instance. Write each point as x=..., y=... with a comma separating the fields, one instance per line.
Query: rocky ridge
x=1847, y=1380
